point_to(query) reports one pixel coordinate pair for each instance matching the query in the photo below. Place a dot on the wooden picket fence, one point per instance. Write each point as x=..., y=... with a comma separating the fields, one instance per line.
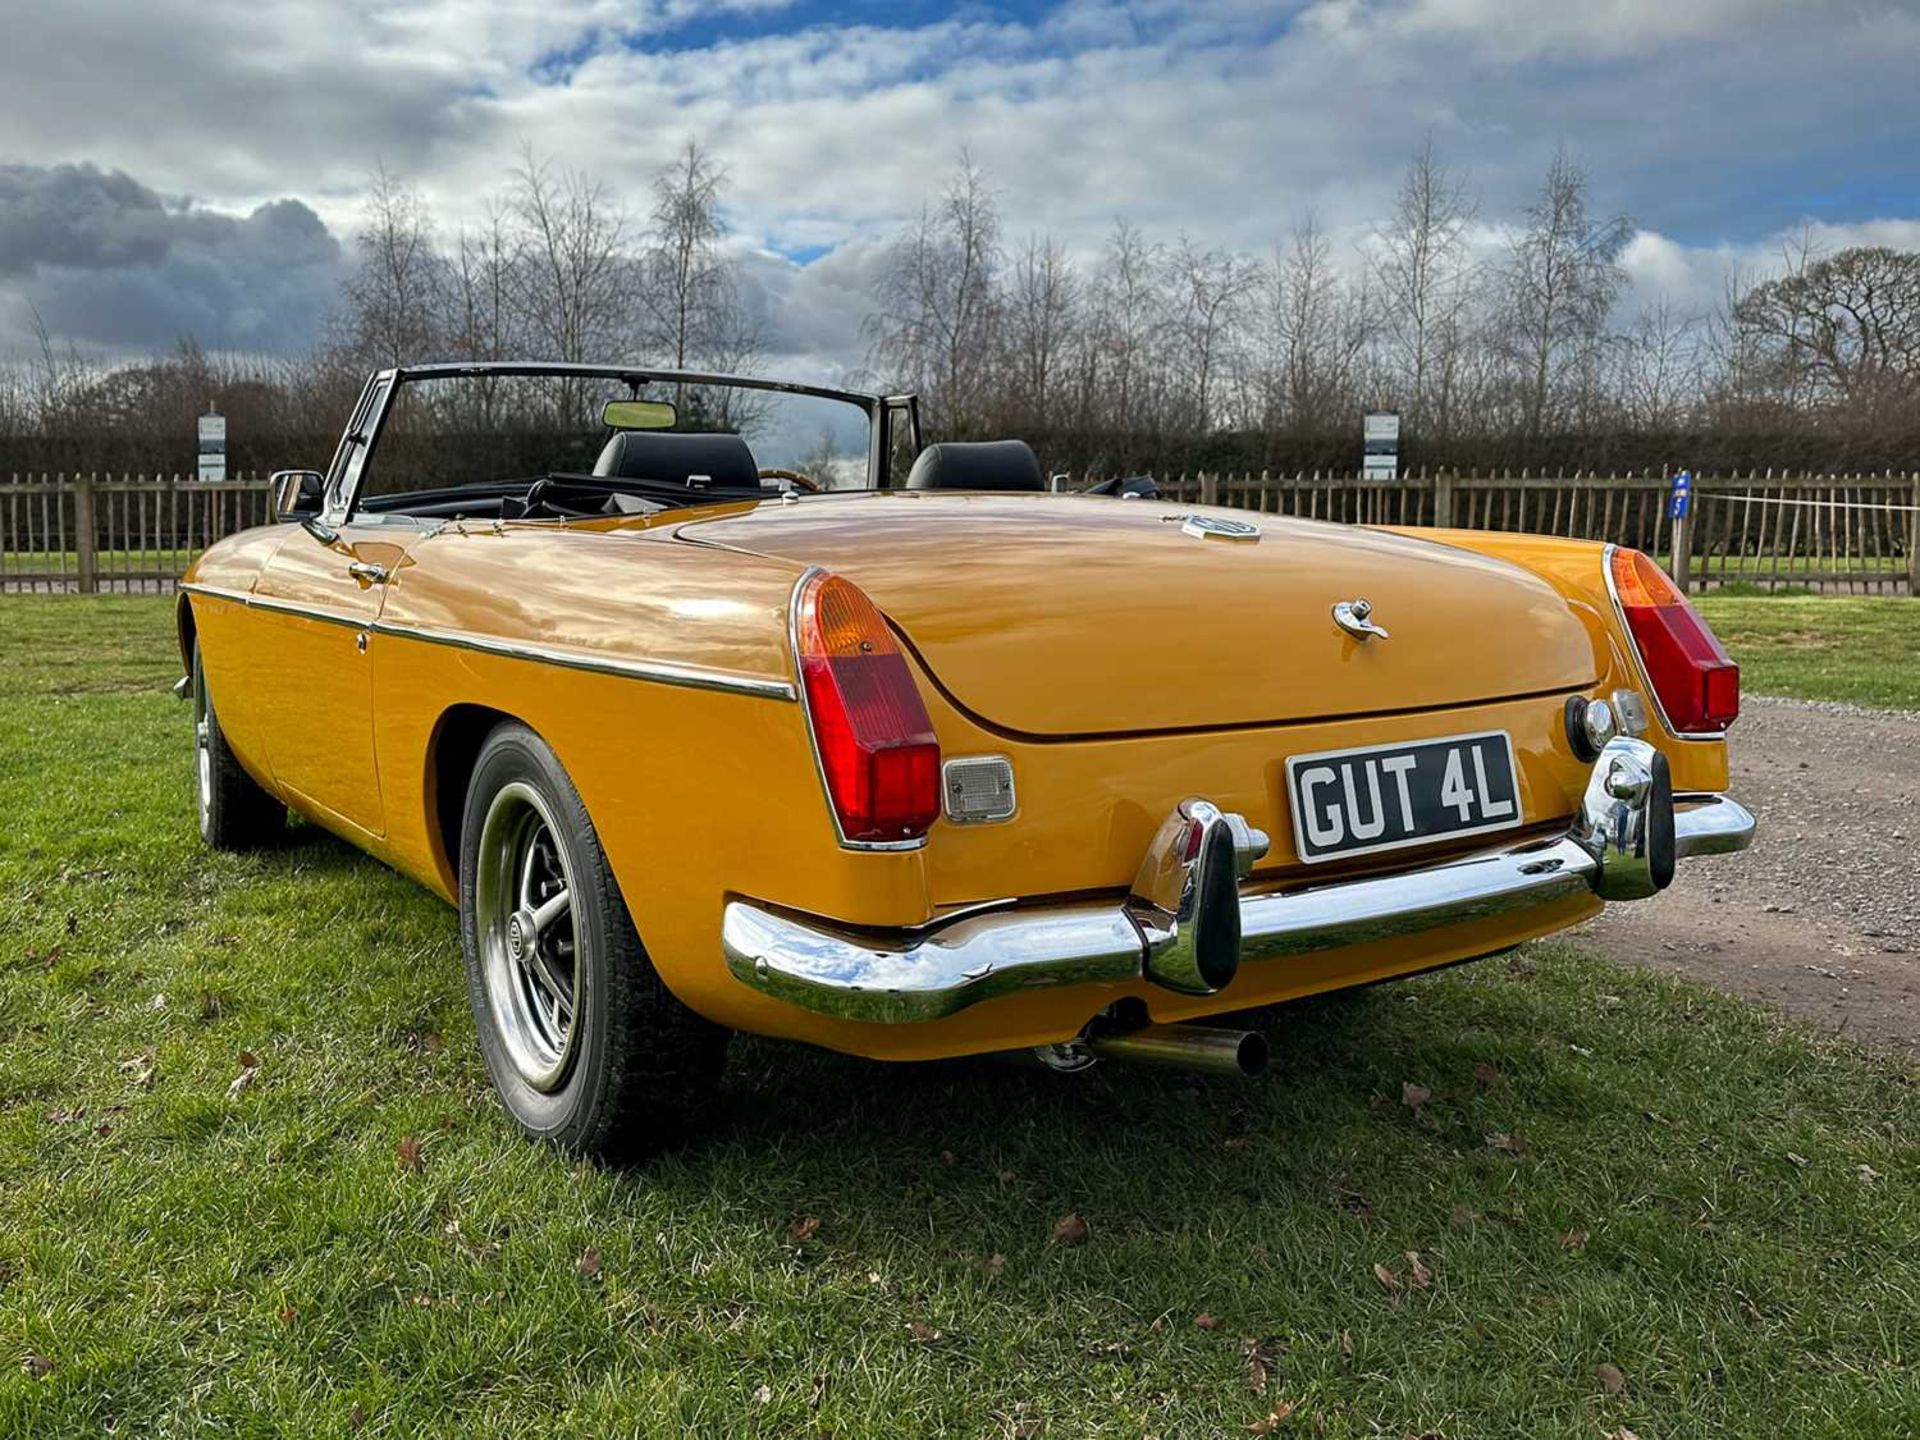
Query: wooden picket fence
x=1836, y=534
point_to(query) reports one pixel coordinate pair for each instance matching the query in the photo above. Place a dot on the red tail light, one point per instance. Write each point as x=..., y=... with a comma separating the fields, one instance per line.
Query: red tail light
x=877, y=747
x=1697, y=685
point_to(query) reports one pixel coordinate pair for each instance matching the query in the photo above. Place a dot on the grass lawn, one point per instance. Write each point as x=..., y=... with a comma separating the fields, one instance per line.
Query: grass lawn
x=1860, y=648
x=1626, y=1203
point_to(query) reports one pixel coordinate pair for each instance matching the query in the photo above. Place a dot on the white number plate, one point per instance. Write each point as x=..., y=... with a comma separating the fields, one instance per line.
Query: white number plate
x=1385, y=797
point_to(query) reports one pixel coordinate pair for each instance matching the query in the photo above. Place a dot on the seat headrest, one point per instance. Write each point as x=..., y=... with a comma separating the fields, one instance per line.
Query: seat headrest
x=670, y=458
x=977, y=465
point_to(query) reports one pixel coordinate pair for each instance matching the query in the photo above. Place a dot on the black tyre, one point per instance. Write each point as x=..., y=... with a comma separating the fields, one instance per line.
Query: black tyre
x=235, y=813
x=588, y=1048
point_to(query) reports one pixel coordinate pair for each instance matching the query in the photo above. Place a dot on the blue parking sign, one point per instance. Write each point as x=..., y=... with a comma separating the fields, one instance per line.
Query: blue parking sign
x=1681, y=503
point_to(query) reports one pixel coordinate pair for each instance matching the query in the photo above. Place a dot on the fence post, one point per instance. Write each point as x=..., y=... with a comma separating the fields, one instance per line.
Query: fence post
x=1913, y=542
x=84, y=538
x=1443, y=500
x=1209, y=488
x=1682, y=562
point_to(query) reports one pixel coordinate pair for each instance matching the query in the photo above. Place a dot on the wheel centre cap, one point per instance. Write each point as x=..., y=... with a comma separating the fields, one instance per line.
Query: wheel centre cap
x=519, y=934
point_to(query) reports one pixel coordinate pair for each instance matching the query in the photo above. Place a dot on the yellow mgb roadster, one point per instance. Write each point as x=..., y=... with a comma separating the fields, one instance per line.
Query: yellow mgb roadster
x=721, y=704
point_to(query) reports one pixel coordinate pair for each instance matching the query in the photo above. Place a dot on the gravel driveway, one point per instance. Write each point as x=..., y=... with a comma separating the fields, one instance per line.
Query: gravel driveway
x=1822, y=916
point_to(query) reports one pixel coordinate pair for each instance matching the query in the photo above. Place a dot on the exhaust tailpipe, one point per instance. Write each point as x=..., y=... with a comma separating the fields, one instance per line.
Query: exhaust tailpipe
x=1188, y=1047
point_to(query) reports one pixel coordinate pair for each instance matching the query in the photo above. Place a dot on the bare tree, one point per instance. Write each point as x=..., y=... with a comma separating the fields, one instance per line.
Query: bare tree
x=1657, y=367
x=1319, y=333
x=1560, y=281
x=1040, y=327
x=936, y=322
x=1128, y=322
x=1208, y=288
x=1842, y=331
x=691, y=291
x=395, y=293
x=479, y=322
x=1426, y=286
x=574, y=285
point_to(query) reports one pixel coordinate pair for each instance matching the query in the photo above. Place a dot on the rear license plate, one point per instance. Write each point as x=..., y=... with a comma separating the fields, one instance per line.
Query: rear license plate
x=1386, y=797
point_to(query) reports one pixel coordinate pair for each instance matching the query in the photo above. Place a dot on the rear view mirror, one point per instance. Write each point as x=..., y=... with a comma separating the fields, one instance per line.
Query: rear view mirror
x=639, y=415
x=297, y=493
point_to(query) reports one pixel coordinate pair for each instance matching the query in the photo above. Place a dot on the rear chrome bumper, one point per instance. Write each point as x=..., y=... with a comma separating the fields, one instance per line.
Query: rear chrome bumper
x=1188, y=922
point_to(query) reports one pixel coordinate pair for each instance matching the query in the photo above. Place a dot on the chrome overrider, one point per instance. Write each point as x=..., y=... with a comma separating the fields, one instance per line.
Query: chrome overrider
x=1188, y=924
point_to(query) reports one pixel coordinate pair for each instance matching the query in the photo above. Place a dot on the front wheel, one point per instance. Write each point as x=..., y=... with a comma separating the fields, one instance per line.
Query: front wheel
x=588, y=1048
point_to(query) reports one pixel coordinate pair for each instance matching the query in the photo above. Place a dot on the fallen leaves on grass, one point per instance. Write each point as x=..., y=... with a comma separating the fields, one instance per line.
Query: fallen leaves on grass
x=1867, y=1173
x=803, y=1229
x=1259, y=1356
x=589, y=1263
x=1512, y=1144
x=138, y=1069
x=1418, y=1275
x=1204, y=1321
x=288, y=1315
x=356, y=1417
x=1623, y=1433
x=38, y=1366
x=249, y=1072
x=1414, y=1096
x=763, y=1395
x=1489, y=1075
x=1575, y=1239
x=1070, y=1230
x=1389, y=1281
x=993, y=1265
x=1273, y=1419
x=817, y=1392
x=1611, y=1378
x=407, y=1153
x=922, y=1332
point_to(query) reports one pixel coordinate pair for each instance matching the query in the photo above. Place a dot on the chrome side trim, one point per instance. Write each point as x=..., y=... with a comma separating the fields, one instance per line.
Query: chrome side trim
x=277, y=605
x=925, y=974
x=661, y=672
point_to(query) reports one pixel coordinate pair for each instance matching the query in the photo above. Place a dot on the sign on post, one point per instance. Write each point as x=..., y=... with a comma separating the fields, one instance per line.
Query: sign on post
x=1680, y=512
x=1380, y=445
x=213, y=446
x=1680, y=507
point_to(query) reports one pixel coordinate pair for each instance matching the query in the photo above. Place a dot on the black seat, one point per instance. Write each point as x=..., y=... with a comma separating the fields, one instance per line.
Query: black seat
x=671, y=458
x=977, y=465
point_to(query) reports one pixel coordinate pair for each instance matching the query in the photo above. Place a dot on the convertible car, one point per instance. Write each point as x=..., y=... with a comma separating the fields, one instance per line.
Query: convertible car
x=716, y=704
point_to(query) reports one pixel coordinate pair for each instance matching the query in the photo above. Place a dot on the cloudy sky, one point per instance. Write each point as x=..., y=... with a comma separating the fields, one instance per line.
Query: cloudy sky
x=197, y=166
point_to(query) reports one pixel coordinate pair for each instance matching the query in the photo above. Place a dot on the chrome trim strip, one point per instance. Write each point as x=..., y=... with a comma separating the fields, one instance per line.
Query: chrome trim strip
x=661, y=672
x=906, y=976
x=279, y=606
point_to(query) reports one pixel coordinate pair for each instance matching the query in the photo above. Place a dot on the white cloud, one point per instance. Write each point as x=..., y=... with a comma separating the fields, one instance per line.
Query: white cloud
x=1714, y=123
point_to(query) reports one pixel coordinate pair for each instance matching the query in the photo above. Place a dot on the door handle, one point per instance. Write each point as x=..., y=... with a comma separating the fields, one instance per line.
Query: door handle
x=368, y=573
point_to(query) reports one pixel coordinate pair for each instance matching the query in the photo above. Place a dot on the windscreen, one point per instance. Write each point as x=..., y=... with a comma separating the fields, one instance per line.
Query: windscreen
x=446, y=432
